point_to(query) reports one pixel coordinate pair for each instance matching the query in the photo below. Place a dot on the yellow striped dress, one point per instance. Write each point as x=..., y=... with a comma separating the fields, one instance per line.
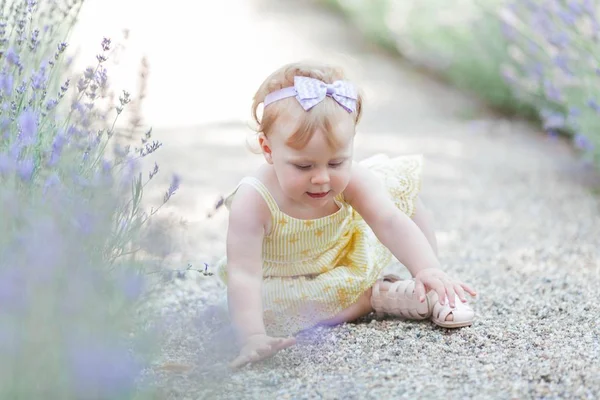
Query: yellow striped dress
x=313, y=269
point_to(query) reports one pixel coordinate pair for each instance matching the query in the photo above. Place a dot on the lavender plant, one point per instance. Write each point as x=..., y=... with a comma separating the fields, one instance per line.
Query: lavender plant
x=72, y=269
x=554, y=65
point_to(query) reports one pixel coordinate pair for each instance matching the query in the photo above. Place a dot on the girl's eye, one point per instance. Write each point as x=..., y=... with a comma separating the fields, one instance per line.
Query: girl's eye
x=335, y=165
x=303, y=167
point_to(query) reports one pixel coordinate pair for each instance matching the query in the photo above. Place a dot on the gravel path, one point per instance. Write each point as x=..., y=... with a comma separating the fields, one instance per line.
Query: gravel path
x=516, y=218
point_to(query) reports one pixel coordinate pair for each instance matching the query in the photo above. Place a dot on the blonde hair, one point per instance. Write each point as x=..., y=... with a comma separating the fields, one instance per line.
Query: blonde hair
x=322, y=116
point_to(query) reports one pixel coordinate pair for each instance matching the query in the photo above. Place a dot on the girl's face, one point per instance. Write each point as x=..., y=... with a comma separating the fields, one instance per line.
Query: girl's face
x=314, y=175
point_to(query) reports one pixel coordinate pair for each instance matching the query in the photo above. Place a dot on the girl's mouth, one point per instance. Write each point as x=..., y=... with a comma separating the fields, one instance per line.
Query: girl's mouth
x=317, y=195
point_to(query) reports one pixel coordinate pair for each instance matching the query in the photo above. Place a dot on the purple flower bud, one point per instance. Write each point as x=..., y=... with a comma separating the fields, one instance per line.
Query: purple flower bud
x=575, y=7
x=12, y=57
x=88, y=73
x=593, y=105
x=29, y=126
x=6, y=84
x=101, y=77
x=38, y=80
x=574, y=112
x=25, y=169
x=51, y=104
x=582, y=142
x=559, y=39
x=554, y=121
x=81, y=85
x=552, y=133
x=172, y=188
x=561, y=61
x=153, y=172
x=105, y=44
x=106, y=166
x=552, y=92
x=567, y=17
x=62, y=47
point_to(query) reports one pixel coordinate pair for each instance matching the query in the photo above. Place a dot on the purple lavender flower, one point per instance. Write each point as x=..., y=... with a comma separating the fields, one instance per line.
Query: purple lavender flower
x=51, y=104
x=582, y=142
x=574, y=111
x=38, y=80
x=25, y=169
x=6, y=84
x=101, y=77
x=29, y=126
x=559, y=39
x=152, y=173
x=561, y=61
x=554, y=121
x=552, y=133
x=101, y=369
x=575, y=7
x=88, y=73
x=81, y=85
x=12, y=57
x=552, y=92
x=593, y=105
x=172, y=188
x=105, y=44
x=567, y=17
x=106, y=166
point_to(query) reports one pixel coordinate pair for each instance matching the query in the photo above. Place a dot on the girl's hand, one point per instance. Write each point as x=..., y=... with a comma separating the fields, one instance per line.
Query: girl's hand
x=258, y=347
x=446, y=287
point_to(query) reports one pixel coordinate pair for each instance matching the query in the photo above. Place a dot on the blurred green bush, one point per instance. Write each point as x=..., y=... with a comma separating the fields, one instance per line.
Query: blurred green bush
x=528, y=58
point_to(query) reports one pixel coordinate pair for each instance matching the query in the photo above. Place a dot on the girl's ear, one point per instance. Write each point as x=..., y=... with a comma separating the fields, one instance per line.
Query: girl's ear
x=265, y=147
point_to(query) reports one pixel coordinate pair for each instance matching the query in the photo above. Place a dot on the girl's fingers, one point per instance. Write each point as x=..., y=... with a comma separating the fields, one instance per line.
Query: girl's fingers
x=438, y=286
x=420, y=290
x=284, y=343
x=243, y=359
x=468, y=289
x=460, y=292
x=264, y=350
x=450, y=294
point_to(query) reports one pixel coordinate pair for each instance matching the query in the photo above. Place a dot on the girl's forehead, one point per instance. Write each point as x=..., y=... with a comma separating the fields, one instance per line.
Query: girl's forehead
x=318, y=145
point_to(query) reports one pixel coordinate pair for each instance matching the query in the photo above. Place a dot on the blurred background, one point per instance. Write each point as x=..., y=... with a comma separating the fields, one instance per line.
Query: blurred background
x=519, y=60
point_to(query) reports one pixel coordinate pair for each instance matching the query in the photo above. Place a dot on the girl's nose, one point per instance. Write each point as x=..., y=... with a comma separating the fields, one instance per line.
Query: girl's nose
x=321, y=177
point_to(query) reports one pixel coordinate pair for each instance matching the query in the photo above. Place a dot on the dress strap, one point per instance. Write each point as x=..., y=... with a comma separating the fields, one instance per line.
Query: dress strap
x=262, y=190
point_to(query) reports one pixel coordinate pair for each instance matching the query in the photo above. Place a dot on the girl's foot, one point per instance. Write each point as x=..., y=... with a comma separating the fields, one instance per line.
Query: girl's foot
x=396, y=296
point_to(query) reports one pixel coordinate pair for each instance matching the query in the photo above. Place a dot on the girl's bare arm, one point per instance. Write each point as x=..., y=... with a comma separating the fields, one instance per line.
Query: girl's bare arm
x=248, y=219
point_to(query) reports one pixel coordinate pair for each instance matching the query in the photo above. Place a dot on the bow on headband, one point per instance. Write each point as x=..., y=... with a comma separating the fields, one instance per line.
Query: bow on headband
x=309, y=92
